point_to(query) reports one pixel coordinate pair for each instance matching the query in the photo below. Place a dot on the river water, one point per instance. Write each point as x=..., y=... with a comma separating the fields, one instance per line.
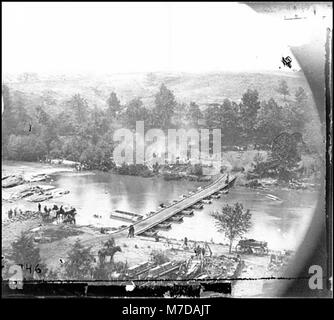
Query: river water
x=281, y=224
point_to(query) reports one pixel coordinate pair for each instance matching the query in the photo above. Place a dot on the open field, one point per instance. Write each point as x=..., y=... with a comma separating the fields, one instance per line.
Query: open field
x=53, y=90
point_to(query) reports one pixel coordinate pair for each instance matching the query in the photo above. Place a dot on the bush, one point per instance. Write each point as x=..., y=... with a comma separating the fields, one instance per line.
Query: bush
x=258, y=158
x=27, y=254
x=79, y=263
x=237, y=169
x=223, y=169
x=196, y=170
x=134, y=170
x=120, y=266
x=26, y=148
x=159, y=257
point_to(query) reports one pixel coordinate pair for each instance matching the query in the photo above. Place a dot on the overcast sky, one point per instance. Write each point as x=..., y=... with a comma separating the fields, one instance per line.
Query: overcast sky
x=139, y=37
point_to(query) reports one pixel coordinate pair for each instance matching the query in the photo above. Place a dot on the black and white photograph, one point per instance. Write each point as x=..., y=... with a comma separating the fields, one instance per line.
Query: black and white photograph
x=166, y=149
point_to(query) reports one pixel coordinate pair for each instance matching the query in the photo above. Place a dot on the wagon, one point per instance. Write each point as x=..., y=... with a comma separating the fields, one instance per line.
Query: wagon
x=252, y=246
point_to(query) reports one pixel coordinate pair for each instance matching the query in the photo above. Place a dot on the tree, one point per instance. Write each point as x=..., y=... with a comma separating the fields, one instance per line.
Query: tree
x=165, y=104
x=8, y=118
x=47, y=127
x=135, y=111
x=230, y=122
x=21, y=118
x=102, y=271
x=271, y=121
x=79, y=107
x=283, y=89
x=194, y=114
x=72, y=147
x=66, y=123
x=249, y=107
x=297, y=110
x=113, y=106
x=55, y=149
x=213, y=117
x=180, y=116
x=97, y=124
x=313, y=138
x=79, y=263
x=26, y=148
x=25, y=253
x=286, y=154
x=42, y=116
x=234, y=221
x=300, y=96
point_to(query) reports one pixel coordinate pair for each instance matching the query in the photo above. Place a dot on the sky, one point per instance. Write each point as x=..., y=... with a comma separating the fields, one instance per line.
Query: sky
x=100, y=37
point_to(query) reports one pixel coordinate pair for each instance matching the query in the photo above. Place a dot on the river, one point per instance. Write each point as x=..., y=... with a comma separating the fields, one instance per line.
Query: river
x=281, y=224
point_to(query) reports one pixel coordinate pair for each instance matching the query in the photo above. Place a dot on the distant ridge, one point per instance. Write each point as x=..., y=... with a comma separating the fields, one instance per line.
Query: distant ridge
x=202, y=88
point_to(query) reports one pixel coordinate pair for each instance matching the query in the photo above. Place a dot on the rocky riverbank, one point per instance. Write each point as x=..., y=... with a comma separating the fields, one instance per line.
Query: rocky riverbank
x=264, y=183
x=26, y=183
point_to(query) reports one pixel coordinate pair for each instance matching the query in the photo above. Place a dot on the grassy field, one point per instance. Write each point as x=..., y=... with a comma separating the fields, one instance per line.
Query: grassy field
x=200, y=88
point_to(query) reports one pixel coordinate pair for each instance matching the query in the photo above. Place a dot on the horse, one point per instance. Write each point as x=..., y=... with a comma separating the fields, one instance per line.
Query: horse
x=110, y=251
x=71, y=212
x=69, y=219
x=59, y=216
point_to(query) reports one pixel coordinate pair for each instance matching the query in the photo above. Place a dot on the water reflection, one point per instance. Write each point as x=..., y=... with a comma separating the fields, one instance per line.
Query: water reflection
x=281, y=224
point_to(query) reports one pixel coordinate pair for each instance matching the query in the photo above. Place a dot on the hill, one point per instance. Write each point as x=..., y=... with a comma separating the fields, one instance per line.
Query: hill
x=206, y=88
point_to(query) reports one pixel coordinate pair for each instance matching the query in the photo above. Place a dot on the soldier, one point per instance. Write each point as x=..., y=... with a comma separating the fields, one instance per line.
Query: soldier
x=202, y=252
x=227, y=179
x=209, y=249
x=131, y=231
x=198, y=251
x=39, y=207
x=195, y=248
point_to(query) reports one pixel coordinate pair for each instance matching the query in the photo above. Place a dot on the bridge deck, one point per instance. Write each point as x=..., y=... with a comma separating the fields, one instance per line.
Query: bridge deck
x=149, y=222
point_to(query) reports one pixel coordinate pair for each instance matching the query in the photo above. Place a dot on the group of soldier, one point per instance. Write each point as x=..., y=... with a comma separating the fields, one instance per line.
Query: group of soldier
x=60, y=213
x=200, y=251
x=48, y=210
x=14, y=213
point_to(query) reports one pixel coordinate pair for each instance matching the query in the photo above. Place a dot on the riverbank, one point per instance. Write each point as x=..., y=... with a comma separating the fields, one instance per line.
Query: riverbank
x=31, y=169
x=24, y=184
x=109, y=192
x=135, y=194
x=57, y=240
x=272, y=183
x=306, y=175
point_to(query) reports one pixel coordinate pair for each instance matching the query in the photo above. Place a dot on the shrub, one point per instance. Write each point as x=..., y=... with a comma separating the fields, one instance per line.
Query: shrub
x=158, y=257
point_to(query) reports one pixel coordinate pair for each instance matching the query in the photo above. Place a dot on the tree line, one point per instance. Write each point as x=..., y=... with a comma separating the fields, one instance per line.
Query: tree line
x=82, y=132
